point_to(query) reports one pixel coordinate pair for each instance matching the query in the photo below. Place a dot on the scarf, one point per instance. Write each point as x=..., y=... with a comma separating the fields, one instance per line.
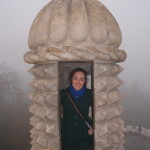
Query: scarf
x=77, y=94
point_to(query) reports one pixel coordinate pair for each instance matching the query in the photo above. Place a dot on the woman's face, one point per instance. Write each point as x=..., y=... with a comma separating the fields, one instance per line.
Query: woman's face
x=78, y=80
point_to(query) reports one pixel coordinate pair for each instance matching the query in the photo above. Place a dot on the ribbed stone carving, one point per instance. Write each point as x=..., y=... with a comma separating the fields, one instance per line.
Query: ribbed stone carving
x=74, y=22
x=108, y=125
x=45, y=121
x=75, y=30
x=70, y=53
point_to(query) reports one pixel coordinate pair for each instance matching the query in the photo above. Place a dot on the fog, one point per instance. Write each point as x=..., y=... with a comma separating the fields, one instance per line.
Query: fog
x=133, y=18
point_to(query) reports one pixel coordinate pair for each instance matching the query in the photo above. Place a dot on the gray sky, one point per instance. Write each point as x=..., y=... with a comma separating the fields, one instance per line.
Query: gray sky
x=133, y=17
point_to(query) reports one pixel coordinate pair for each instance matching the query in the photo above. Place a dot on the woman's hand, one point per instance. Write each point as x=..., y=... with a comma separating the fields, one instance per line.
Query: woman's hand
x=90, y=131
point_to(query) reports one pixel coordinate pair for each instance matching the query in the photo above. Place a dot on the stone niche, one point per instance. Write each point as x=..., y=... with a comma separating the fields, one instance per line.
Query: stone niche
x=68, y=34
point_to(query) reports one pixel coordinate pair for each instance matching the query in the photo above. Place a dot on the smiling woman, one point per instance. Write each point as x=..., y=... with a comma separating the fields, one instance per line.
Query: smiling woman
x=78, y=78
x=76, y=125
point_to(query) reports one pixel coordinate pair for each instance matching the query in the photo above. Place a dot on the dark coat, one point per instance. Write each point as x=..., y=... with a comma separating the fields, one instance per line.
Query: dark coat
x=73, y=126
x=74, y=131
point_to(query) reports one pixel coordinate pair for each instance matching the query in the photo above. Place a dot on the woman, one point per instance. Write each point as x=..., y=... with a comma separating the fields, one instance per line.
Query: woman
x=76, y=126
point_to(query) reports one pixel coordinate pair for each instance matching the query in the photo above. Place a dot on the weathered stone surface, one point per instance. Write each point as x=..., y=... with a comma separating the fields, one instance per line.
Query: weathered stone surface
x=75, y=30
x=70, y=53
x=107, y=109
x=74, y=22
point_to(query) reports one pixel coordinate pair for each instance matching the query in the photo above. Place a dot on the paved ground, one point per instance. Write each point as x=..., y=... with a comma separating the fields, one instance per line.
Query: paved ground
x=136, y=143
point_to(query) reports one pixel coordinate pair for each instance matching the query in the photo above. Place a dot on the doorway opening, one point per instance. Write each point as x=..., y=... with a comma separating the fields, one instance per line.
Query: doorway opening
x=64, y=69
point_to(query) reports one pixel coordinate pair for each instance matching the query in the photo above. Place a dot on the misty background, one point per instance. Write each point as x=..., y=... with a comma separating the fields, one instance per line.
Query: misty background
x=16, y=17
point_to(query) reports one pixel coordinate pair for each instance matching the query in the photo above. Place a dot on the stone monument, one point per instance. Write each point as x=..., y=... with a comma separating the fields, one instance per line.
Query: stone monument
x=75, y=31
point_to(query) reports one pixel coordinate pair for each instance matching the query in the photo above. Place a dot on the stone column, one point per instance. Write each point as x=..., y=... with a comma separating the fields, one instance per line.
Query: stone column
x=108, y=125
x=45, y=119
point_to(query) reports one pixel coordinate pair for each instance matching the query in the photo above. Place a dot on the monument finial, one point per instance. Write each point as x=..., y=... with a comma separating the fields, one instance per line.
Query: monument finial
x=74, y=22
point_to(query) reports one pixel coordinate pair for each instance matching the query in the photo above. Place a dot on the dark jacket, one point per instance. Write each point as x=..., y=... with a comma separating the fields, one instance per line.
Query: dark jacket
x=73, y=126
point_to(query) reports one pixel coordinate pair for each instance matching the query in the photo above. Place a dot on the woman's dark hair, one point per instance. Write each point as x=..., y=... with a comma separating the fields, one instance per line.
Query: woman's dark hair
x=77, y=70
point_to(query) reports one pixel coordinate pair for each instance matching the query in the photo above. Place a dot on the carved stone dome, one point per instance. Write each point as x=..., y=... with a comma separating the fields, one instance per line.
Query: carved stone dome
x=74, y=23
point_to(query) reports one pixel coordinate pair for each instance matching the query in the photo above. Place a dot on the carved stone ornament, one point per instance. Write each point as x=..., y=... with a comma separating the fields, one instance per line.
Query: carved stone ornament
x=75, y=30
